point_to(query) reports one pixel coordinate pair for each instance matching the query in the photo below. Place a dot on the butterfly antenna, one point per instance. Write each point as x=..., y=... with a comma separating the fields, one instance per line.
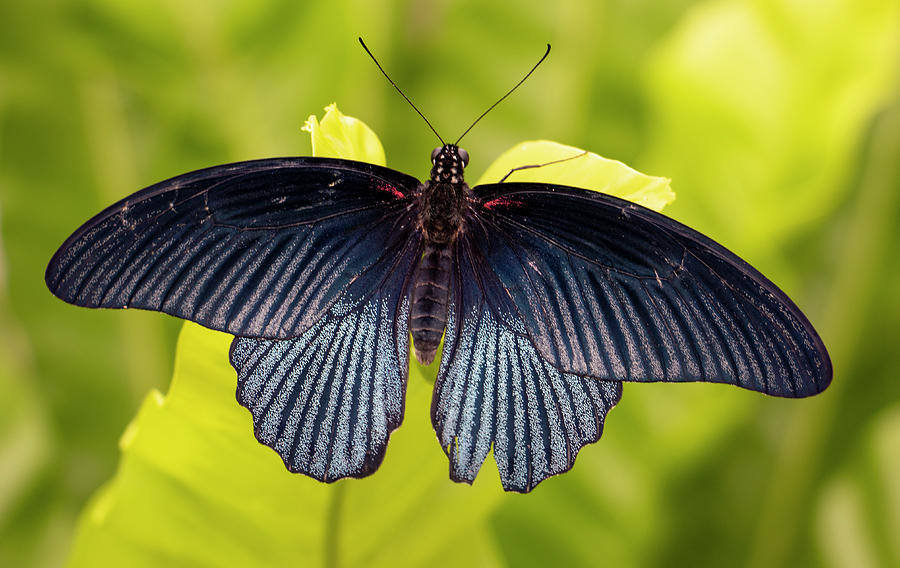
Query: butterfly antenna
x=546, y=53
x=401, y=92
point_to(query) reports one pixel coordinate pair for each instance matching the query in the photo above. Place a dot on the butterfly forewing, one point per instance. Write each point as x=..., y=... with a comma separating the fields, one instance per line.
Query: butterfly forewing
x=608, y=289
x=260, y=248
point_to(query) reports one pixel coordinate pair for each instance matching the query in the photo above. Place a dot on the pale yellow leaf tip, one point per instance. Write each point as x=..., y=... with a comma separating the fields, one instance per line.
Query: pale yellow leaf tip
x=578, y=168
x=340, y=136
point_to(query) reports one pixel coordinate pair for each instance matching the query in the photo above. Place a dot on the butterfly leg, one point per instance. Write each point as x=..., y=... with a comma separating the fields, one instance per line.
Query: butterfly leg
x=532, y=166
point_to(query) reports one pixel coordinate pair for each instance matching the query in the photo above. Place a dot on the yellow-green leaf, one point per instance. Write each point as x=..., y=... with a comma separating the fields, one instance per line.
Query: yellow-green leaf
x=340, y=136
x=579, y=168
x=195, y=488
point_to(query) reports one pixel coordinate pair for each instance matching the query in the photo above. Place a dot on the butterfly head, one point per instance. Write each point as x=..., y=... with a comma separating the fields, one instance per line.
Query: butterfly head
x=448, y=162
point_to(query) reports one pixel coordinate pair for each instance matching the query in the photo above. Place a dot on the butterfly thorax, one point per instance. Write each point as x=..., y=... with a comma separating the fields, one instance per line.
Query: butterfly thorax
x=442, y=199
x=442, y=203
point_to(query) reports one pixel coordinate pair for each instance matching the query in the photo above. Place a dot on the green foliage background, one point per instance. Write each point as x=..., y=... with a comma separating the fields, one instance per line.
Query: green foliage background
x=778, y=122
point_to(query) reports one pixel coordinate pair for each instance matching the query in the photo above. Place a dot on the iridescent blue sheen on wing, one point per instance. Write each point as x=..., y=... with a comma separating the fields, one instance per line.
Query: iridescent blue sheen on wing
x=260, y=248
x=608, y=289
x=494, y=389
x=328, y=400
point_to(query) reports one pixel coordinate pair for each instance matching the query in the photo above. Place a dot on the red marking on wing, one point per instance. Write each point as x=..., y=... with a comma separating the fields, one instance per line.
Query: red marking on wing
x=501, y=201
x=390, y=189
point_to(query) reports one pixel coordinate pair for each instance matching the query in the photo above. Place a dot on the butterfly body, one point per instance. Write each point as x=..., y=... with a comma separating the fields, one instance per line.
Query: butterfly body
x=441, y=203
x=442, y=200
x=429, y=296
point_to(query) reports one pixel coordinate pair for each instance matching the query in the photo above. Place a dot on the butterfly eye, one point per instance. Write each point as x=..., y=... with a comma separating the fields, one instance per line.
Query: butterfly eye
x=464, y=156
x=434, y=154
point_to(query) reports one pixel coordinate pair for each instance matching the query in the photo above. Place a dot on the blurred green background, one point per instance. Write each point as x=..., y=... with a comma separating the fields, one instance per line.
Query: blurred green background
x=778, y=121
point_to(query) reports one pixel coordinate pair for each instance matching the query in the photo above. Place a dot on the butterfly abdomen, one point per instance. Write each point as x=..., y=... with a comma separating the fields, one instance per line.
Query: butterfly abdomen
x=428, y=300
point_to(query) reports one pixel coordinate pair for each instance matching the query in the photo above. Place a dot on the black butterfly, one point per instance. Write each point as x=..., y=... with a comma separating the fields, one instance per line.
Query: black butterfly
x=547, y=296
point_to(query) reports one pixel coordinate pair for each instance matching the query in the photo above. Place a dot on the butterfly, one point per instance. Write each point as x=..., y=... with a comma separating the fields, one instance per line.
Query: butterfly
x=547, y=298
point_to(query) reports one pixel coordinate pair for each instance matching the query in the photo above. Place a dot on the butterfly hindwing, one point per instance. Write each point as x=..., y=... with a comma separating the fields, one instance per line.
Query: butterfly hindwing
x=609, y=289
x=260, y=248
x=328, y=400
x=494, y=389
